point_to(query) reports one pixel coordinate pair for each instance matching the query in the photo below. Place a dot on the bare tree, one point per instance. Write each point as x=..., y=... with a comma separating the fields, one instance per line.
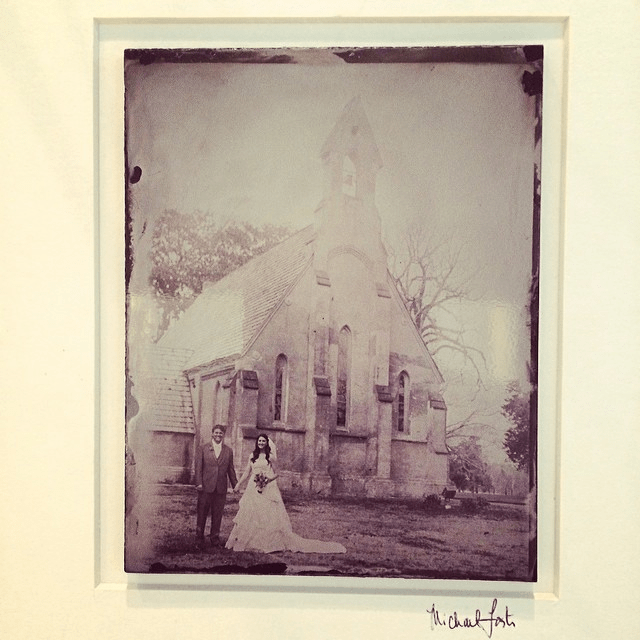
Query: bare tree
x=469, y=427
x=431, y=278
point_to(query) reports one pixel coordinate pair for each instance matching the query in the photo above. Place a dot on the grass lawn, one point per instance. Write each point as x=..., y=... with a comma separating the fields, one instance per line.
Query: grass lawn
x=384, y=538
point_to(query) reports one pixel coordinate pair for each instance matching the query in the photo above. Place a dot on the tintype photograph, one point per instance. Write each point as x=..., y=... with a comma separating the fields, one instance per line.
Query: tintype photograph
x=331, y=278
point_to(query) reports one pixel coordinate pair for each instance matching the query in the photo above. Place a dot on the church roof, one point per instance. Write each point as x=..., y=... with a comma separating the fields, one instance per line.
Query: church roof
x=161, y=388
x=228, y=314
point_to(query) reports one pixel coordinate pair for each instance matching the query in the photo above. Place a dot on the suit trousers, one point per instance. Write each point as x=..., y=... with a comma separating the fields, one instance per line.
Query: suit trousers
x=209, y=503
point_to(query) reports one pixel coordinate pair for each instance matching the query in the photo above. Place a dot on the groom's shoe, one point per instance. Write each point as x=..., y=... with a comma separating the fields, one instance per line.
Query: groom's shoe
x=216, y=542
x=200, y=543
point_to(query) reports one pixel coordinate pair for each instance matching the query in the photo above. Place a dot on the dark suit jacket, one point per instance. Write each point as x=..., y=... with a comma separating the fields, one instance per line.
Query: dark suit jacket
x=212, y=472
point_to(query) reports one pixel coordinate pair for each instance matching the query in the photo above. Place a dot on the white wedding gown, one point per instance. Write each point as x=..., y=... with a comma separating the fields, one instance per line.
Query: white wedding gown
x=262, y=522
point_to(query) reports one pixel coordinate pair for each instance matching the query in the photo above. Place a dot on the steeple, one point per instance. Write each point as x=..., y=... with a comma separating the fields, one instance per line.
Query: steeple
x=351, y=156
x=347, y=217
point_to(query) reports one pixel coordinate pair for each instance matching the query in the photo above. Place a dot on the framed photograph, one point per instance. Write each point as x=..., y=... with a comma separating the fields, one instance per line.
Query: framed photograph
x=222, y=215
x=332, y=265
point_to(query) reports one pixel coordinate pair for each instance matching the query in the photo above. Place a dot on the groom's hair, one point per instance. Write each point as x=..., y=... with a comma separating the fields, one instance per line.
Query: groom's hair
x=219, y=426
x=256, y=450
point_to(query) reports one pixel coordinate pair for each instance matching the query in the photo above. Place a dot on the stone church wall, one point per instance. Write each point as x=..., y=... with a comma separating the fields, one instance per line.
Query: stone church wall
x=290, y=461
x=416, y=469
x=353, y=301
x=418, y=457
x=287, y=333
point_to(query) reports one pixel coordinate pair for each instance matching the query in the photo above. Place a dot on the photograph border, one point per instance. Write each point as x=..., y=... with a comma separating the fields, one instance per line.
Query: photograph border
x=111, y=38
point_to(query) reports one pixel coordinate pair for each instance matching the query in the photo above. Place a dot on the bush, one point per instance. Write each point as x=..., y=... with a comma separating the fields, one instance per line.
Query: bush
x=473, y=505
x=433, y=503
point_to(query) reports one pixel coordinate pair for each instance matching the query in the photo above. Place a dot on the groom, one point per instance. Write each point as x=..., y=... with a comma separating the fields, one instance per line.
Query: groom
x=214, y=463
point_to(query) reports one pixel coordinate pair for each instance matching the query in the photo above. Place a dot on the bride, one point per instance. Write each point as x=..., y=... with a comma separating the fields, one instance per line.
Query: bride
x=262, y=522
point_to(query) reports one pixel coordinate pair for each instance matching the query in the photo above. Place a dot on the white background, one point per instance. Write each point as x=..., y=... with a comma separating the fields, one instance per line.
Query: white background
x=48, y=339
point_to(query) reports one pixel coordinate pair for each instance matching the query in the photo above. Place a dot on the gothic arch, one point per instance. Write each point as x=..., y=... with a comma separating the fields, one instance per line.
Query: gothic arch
x=281, y=389
x=401, y=403
x=349, y=177
x=351, y=250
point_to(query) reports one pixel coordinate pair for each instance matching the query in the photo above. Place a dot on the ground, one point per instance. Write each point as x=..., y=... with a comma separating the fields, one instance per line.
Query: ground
x=384, y=538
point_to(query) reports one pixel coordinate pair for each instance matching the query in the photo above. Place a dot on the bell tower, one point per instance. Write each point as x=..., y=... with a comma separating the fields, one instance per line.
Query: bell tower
x=352, y=320
x=347, y=218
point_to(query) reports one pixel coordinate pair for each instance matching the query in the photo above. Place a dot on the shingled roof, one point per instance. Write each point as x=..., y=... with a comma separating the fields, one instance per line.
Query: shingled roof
x=228, y=314
x=162, y=389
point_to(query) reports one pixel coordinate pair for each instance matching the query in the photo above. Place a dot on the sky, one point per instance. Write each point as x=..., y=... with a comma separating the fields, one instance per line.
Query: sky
x=242, y=141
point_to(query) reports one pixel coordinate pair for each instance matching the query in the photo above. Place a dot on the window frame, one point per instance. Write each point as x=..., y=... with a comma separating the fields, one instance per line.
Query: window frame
x=343, y=366
x=280, y=409
x=349, y=170
x=402, y=406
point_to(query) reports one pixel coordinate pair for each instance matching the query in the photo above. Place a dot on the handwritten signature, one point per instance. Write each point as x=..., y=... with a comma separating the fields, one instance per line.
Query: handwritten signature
x=487, y=624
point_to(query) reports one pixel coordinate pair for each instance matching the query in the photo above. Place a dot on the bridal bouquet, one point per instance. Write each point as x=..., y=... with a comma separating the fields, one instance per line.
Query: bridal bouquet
x=261, y=481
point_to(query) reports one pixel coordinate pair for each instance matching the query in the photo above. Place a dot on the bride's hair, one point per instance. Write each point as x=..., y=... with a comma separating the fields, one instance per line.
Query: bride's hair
x=257, y=450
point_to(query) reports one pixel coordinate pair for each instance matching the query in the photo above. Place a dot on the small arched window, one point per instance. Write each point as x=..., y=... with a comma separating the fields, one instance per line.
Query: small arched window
x=344, y=374
x=402, y=403
x=348, y=177
x=281, y=389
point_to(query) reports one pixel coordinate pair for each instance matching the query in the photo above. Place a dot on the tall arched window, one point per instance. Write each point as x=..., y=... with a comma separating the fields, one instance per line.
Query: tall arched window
x=281, y=389
x=344, y=371
x=402, y=403
x=217, y=404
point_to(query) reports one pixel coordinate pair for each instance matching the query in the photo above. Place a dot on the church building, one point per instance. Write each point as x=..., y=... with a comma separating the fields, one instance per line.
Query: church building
x=310, y=343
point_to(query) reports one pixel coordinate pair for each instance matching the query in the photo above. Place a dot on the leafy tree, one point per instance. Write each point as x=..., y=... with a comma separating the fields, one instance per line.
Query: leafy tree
x=516, y=440
x=188, y=250
x=467, y=468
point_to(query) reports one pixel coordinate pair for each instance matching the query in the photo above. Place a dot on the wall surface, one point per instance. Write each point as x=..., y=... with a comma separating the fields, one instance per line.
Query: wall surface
x=287, y=332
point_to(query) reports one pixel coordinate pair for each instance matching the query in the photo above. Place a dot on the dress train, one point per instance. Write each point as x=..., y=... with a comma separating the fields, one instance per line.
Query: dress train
x=262, y=522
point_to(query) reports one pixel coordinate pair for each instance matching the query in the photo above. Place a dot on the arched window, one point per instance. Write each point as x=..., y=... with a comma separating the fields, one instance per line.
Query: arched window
x=348, y=177
x=217, y=404
x=343, y=384
x=402, y=403
x=281, y=389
